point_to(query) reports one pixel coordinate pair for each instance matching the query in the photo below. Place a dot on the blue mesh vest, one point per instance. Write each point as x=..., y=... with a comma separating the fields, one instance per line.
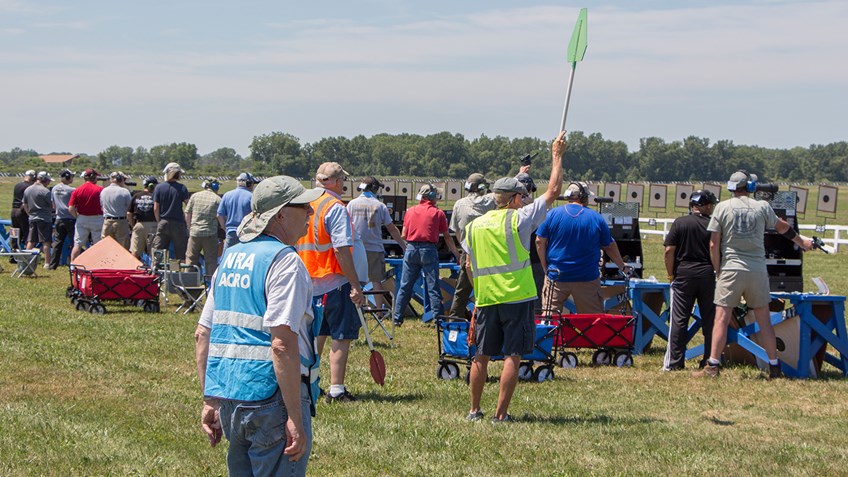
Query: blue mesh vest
x=239, y=366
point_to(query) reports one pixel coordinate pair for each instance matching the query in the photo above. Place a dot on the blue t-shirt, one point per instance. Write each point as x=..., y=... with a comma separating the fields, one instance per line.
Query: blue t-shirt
x=235, y=204
x=575, y=236
x=170, y=197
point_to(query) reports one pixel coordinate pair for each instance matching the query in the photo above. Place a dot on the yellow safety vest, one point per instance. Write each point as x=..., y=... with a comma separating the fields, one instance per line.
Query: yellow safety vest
x=499, y=262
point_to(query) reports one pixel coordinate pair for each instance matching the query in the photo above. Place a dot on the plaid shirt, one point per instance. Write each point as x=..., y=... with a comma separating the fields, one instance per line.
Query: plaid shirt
x=203, y=207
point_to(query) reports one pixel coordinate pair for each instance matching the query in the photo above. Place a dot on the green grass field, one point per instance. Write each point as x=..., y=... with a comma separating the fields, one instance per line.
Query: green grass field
x=117, y=394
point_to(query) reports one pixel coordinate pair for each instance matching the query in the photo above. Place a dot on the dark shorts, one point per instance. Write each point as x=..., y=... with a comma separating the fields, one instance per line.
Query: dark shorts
x=506, y=329
x=341, y=321
x=40, y=232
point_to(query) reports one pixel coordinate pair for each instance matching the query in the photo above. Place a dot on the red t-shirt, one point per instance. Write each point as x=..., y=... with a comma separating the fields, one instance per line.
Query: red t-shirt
x=86, y=198
x=424, y=223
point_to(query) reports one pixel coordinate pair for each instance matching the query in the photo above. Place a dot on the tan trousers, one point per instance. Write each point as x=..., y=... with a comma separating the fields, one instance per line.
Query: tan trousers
x=209, y=247
x=117, y=229
x=587, y=296
x=140, y=238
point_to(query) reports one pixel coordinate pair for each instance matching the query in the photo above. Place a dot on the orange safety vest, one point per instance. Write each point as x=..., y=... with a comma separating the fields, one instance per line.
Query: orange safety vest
x=316, y=247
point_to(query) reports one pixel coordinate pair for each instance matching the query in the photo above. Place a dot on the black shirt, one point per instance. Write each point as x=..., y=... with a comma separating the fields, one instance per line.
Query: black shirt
x=692, y=257
x=142, y=207
x=18, y=194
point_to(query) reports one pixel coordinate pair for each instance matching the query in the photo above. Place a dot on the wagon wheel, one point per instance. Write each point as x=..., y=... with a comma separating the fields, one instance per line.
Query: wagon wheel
x=602, y=357
x=151, y=307
x=623, y=359
x=568, y=360
x=447, y=371
x=543, y=373
x=98, y=309
x=525, y=371
x=81, y=305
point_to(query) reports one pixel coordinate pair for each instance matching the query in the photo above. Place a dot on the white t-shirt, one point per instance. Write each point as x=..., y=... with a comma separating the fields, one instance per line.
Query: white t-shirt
x=288, y=288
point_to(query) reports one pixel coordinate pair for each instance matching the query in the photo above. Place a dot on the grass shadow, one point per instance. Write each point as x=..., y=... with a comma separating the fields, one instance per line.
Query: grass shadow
x=720, y=422
x=601, y=419
x=371, y=396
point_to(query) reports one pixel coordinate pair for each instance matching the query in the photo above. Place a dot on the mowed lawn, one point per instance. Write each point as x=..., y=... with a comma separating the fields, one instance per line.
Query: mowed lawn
x=82, y=394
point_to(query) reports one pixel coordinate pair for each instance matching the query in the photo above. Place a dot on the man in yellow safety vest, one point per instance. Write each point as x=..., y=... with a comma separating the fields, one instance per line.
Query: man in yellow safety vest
x=498, y=245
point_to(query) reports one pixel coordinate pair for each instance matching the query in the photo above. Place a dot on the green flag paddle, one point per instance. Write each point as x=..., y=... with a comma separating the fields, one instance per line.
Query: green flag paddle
x=576, y=51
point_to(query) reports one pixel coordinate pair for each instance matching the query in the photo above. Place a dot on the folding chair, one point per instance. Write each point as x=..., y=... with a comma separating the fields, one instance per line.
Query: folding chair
x=27, y=262
x=380, y=314
x=191, y=287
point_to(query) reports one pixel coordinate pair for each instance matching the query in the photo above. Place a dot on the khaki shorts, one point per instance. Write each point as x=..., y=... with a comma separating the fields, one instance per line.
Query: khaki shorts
x=587, y=296
x=376, y=266
x=118, y=229
x=732, y=285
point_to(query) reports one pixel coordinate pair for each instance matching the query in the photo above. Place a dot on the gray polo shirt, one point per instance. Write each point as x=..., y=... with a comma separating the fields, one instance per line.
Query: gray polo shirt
x=115, y=201
x=61, y=196
x=39, y=203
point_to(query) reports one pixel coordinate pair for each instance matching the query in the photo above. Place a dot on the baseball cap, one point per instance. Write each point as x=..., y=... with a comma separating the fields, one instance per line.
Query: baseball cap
x=475, y=180
x=66, y=173
x=739, y=180
x=117, y=175
x=149, y=180
x=370, y=182
x=330, y=170
x=426, y=189
x=89, y=172
x=172, y=166
x=246, y=177
x=573, y=189
x=509, y=184
x=702, y=197
x=528, y=182
x=44, y=176
x=268, y=198
x=29, y=173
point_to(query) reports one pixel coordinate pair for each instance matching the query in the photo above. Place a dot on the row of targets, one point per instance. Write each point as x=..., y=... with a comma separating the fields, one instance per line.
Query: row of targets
x=656, y=200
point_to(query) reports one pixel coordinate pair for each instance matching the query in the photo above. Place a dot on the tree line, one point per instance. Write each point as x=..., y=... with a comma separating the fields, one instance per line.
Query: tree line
x=445, y=155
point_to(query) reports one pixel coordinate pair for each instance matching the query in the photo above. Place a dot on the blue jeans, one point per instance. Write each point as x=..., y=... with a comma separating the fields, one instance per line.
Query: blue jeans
x=257, y=435
x=419, y=257
x=232, y=238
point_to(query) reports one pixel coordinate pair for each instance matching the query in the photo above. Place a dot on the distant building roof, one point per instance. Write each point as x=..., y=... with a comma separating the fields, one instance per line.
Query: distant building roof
x=58, y=158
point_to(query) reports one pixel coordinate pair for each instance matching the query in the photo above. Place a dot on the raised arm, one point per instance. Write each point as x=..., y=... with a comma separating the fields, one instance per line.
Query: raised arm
x=555, y=182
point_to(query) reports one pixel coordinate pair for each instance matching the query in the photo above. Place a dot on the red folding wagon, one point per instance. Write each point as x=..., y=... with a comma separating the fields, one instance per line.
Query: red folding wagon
x=610, y=335
x=90, y=288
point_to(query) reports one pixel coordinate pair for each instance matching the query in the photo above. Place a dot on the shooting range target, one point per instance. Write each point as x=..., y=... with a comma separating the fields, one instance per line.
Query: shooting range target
x=801, y=196
x=453, y=190
x=405, y=188
x=714, y=188
x=827, y=199
x=656, y=196
x=681, y=195
x=613, y=191
x=347, y=189
x=389, y=188
x=634, y=193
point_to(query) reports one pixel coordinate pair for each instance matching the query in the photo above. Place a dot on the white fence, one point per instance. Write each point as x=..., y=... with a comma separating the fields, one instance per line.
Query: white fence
x=833, y=235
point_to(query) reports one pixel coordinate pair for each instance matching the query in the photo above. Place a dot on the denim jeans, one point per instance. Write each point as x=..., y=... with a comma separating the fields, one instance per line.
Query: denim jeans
x=419, y=257
x=257, y=435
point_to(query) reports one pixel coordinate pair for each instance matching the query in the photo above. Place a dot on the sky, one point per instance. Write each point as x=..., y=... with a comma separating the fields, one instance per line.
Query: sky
x=80, y=76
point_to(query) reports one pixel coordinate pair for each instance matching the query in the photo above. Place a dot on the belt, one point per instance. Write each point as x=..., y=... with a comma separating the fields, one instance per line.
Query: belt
x=416, y=242
x=115, y=218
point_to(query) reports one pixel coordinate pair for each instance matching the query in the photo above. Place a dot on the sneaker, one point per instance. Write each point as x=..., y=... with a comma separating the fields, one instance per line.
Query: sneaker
x=505, y=419
x=708, y=371
x=474, y=416
x=321, y=392
x=343, y=397
x=774, y=371
x=398, y=323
